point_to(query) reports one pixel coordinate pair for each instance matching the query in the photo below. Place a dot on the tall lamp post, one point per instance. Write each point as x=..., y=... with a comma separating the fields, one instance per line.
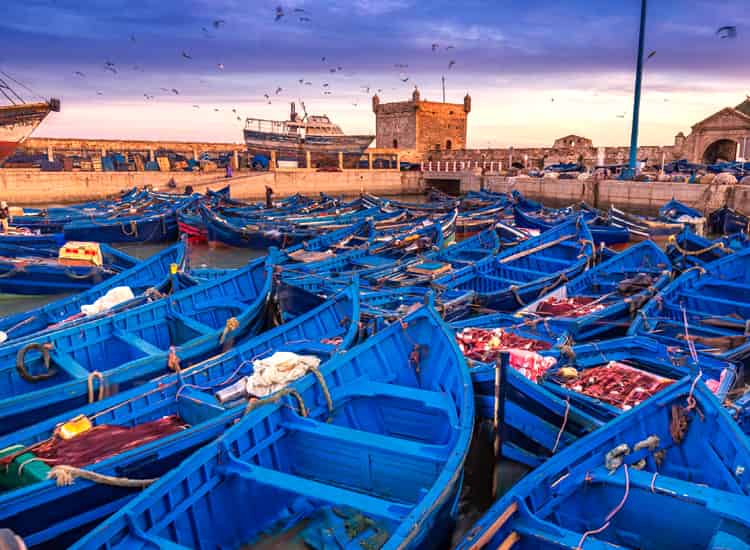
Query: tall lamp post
x=630, y=172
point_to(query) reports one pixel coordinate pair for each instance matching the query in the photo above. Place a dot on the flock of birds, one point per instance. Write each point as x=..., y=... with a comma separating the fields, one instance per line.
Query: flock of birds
x=281, y=14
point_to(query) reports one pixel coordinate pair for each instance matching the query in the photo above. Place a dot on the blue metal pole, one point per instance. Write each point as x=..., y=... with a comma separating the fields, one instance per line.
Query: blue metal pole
x=637, y=99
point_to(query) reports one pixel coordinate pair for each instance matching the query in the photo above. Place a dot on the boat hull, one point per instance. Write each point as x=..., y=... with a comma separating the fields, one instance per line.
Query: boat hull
x=17, y=122
x=323, y=150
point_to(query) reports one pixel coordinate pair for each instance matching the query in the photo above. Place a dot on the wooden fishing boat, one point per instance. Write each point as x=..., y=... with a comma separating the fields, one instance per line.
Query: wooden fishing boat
x=145, y=432
x=601, y=229
x=676, y=212
x=65, y=369
x=43, y=272
x=150, y=227
x=377, y=463
x=688, y=249
x=507, y=361
x=708, y=308
x=602, y=301
x=521, y=274
x=642, y=227
x=609, y=377
x=726, y=221
x=31, y=239
x=153, y=273
x=668, y=474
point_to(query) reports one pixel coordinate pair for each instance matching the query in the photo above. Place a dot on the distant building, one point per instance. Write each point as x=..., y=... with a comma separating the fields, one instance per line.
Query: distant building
x=421, y=125
x=723, y=136
x=572, y=142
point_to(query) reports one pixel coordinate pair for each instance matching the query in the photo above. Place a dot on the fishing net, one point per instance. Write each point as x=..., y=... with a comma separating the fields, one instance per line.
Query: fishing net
x=100, y=442
x=577, y=306
x=618, y=384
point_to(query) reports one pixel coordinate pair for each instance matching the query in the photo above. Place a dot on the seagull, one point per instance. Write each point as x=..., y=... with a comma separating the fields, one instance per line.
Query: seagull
x=301, y=80
x=406, y=79
x=651, y=54
x=451, y=63
x=99, y=93
x=111, y=69
x=147, y=96
x=325, y=84
x=366, y=89
x=218, y=23
x=308, y=83
x=220, y=66
x=279, y=90
x=205, y=29
x=552, y=100
x=79, y=73
x=435, y=47
x=216, y=110
x=238, y=118
x=728, y=31
x=450, y=48
x=234, y=111
x=175, y=91
x=331, y=70
x=185, y=55
x=132, y=38
x=401, y=66
x=339, y=68
x=108, y=63
x=327, y=92
x=266, y=96
x=299, y=10
x=323, y=59
x=164, y=89
x=279, y=13
x=305, y=19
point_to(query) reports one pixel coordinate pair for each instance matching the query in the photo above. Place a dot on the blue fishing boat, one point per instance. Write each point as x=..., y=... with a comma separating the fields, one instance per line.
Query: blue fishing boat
x=602, y=301
x=47, y=274
x=641, y=227
x=708, y=308
x=676, y=212
x=150, y=273
x=32, y=240
x=726, y=221
x=601, y=229
x=507, y=361
x=151, y=227
x=521, y=274
x=609, y=377
x=668, y=474
x=370, y=455
x=145, y=432
x=65, y=369
x=688, y=249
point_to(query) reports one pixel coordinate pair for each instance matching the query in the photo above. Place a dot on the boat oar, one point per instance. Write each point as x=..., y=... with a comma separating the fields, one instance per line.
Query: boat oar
x=500, y=365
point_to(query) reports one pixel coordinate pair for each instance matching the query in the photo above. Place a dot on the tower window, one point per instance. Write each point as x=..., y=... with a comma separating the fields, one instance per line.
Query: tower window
x=437, y=147
x=395, y=144
x=449, y=144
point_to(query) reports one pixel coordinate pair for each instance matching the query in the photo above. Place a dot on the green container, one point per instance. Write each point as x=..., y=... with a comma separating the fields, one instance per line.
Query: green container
x=32, y=471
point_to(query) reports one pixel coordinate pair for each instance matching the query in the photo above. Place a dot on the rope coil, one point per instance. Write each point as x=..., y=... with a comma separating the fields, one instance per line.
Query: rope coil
x=66, y=475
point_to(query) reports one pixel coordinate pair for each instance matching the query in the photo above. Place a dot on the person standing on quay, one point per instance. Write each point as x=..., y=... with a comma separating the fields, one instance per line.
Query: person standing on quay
x=4, y=216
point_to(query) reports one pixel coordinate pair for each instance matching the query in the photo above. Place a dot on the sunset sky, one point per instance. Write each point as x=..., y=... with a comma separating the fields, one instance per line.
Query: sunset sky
x=536, y=69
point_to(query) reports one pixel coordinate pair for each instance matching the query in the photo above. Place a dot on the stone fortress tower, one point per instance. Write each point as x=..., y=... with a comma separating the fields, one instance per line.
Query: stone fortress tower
x=421, y=125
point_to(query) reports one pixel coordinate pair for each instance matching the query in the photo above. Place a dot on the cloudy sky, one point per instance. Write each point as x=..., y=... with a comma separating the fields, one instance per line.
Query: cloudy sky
x=536, y=69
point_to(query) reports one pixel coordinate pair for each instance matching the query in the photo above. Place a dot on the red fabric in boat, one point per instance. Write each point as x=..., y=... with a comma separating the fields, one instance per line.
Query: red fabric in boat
x=577, y=306
x=618, y=384
x=485, y=345
x=102, y=442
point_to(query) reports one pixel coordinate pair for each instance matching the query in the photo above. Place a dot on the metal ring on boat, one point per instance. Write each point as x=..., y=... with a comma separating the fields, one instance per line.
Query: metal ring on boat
x=21, y=362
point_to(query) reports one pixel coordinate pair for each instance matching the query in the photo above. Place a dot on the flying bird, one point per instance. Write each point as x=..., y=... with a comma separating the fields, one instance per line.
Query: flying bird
x=451, y=63
x=186, y=55
x=552, y=100
x=308, y=83
x=327, y=92
x=401, y=66
x=301, y=80
x=220, y=66
x=405, y=79
x=164, y=89
x=299, y=10
x=279, y=13
x=435, y=47
x=99, y=93
x=175, y=91
x=325, y=84
x=147, y=96
x=205, y=29
x=218, y=23
x=727, y=31
x=79, y=73
x=108, y=63
x=216, y=110
x=132, y=38
x=305, y=19
x=279, y=90
x=196, y=106
x=339, y=68
x=238, y=118
x=266, y=96
x=651, y=54
x=234, y=111
x=450, y=48
x=323, y=59
x=111, y=69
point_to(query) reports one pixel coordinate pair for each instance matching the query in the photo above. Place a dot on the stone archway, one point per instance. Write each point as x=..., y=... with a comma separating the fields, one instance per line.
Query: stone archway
x=722, y=150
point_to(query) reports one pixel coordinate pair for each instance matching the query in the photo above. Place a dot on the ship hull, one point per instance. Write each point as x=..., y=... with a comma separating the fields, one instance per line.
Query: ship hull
x=17, y=122
x=323, y=150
